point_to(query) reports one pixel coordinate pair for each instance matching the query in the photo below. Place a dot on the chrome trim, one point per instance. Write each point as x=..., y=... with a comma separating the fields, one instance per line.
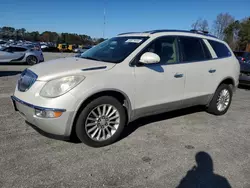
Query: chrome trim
x=36, y=107
x=94, y=68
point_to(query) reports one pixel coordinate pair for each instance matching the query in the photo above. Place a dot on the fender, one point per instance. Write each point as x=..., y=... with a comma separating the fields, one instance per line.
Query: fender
x=227, y=78
x=127, y=104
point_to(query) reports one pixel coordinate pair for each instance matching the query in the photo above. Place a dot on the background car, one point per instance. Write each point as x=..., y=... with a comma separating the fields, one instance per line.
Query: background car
x=50, y=49
x=240, y=59
x=81, y=50
x=21, y=54
x=245, y=74
x=242, y=56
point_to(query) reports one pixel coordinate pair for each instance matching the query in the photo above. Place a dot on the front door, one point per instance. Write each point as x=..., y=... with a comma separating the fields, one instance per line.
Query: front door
x=159, y=87
x=7, y=55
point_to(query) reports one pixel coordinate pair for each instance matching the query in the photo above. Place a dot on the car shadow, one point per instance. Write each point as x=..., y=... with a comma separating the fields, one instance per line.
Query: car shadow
x=244, y=87
x=12, y=64
x=202, y=174
x=9, y=73
x=133, y=126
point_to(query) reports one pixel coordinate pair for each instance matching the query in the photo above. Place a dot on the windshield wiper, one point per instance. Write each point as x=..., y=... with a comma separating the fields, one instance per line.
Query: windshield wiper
x=92, y=58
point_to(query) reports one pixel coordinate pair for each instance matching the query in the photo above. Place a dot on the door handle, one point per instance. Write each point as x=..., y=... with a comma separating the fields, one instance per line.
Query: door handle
x=212, y=71
x=178, y=75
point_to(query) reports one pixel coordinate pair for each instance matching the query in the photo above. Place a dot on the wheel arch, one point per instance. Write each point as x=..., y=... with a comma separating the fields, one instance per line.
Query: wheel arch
x=31, y=55
x=118, y=94
x=228, y=80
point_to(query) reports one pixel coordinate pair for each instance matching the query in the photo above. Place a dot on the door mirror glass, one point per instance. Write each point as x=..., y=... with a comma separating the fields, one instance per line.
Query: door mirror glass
x=149, y=58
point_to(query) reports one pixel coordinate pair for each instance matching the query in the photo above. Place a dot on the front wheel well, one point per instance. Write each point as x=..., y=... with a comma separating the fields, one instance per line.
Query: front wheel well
x=116, y=94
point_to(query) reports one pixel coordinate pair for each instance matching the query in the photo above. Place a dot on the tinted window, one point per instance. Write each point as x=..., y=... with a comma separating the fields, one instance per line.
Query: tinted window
x=18, y=49
x=166, y=48
x=192, y=49
x=220, y=49
x=7, y=49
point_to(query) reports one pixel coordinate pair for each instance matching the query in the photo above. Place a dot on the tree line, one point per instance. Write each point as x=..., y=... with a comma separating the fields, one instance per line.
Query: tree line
x=47, y=36
x=235, y=32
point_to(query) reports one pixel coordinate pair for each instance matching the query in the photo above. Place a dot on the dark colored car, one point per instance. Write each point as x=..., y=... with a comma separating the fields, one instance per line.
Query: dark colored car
x=243, y=57
x=245, y=73
x=50, y=49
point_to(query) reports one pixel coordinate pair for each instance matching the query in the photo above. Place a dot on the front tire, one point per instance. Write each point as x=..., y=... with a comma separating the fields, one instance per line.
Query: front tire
x=221, y=100
x=31, y=60
x=101, y=122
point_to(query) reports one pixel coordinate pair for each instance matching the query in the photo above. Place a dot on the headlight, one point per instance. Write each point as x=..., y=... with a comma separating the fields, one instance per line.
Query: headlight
x=58, y=87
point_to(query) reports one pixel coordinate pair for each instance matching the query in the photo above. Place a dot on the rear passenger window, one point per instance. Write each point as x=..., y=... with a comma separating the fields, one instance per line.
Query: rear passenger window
x=193, y=49
x=220, y=49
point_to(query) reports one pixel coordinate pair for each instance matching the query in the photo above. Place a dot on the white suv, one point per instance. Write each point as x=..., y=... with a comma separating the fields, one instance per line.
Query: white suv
x=125, y=78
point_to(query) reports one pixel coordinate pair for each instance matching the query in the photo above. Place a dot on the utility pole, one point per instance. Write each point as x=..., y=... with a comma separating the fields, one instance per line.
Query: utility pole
x=104, y=19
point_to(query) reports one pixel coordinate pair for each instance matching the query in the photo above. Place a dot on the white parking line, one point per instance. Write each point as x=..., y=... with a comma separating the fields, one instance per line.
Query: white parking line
x=5, y=95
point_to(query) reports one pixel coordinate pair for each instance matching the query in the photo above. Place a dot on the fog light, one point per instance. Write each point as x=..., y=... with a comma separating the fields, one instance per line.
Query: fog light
x=47, y=113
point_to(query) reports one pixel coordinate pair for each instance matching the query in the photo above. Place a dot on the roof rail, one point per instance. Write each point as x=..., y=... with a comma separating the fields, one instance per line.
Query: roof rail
x=199, y=31
x=129, y=33
x=206, y=33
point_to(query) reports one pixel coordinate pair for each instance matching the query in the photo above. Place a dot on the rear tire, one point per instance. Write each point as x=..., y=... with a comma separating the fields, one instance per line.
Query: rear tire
x=96, y=126
x=31, y=60
x=221, y=100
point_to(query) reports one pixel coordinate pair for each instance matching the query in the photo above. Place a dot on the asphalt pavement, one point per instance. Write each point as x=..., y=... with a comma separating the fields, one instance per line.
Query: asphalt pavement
x=186, y=148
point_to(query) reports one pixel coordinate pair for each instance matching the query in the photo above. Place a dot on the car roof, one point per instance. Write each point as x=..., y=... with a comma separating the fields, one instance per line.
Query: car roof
x=162, y=31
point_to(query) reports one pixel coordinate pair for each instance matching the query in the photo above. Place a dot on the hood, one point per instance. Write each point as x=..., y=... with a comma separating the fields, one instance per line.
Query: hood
x=245, y=67
x=68, y=66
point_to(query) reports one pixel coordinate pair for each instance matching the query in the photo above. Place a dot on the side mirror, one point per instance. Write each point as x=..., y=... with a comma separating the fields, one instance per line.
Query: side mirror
x=149, y=58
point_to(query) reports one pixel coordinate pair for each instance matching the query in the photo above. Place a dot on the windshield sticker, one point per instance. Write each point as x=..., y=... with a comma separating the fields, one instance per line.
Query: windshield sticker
x=134, y=40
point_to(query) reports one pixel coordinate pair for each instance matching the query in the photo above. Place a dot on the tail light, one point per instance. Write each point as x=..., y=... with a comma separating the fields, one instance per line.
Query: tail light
x=243, y=59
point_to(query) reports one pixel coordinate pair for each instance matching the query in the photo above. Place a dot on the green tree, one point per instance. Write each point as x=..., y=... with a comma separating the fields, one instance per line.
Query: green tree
x=8, y=32
x=244, y=33
x=231, y=34
x=32, y=36
x=237, y=34
x=49, y=36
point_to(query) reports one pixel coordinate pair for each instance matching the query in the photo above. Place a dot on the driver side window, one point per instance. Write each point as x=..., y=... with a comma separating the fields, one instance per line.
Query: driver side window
x=166, y=48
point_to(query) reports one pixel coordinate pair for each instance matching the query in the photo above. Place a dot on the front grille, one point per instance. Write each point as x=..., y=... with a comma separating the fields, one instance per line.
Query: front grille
x=26, y=80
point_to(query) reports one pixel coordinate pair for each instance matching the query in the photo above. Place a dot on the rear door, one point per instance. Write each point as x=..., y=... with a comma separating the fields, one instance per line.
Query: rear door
x=19, y=53
x=199, y=67
x=223, y=63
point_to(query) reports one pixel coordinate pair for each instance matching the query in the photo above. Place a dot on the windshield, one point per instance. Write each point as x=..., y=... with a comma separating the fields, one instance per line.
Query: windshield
x=114, y=50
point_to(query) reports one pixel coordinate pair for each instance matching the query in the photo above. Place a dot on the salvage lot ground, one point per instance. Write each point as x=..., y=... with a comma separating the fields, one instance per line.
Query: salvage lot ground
x=156, y=151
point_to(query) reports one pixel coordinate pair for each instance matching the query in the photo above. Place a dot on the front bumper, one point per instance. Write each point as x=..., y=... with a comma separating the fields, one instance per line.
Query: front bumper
x=59, y=127
x=244, y=79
